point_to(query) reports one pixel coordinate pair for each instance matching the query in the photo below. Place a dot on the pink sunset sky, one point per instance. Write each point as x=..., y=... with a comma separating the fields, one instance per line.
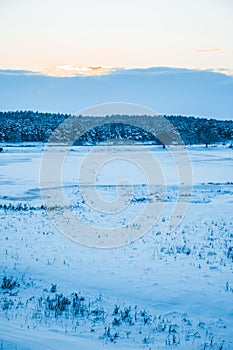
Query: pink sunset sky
x=87, y=37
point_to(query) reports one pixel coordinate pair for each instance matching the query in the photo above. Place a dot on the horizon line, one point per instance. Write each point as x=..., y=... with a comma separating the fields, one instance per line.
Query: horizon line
x=117, y=114
x=71, y=71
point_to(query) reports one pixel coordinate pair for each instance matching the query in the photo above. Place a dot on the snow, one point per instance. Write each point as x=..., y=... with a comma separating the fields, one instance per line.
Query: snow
x=177, y=285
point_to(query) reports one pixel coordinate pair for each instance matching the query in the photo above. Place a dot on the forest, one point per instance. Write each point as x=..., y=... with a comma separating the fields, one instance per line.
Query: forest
x=29, y=126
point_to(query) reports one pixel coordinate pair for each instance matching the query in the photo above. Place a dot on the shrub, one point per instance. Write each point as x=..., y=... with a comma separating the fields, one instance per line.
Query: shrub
x=9, y=283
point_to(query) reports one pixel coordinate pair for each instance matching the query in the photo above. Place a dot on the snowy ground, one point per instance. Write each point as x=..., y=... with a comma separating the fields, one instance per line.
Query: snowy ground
x=166, y=289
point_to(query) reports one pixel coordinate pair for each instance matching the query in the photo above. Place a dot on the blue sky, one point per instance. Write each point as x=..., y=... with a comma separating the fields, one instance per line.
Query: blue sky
x=165, y=90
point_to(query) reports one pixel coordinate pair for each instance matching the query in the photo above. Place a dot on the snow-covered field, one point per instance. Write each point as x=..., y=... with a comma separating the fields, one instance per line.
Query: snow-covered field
x=165, y=290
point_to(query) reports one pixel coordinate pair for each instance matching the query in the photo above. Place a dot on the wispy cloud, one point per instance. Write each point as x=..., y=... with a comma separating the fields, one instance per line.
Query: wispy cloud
x=87, y=71
x=226, y=71
x=74, y=70
x=208, y=50
x=15, y=72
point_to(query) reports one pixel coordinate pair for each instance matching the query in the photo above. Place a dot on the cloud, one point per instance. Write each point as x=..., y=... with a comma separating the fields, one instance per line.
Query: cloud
x=15, y=72
x=225, y=71
x=66, y=71
x=214, y=49
x=75, y=70
x=151, y=71
x=198, y=92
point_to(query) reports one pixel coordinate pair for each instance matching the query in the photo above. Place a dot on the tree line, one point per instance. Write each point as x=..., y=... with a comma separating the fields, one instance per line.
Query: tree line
x=29, y=126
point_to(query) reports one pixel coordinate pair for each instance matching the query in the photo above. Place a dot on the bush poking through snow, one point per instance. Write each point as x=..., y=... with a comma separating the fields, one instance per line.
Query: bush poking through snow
x=53, y=288
x=230, y=253
x=9, y=283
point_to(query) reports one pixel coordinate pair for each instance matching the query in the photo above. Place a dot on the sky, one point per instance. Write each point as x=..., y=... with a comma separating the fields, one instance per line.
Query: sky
x=69, y=37
x=174, y=56
x=164, y=90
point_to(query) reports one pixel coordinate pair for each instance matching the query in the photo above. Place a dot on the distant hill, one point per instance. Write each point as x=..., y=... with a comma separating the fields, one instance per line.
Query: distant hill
x=28, y=126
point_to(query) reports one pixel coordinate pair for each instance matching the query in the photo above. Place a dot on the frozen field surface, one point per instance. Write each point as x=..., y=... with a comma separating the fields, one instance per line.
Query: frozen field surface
x=164, y=290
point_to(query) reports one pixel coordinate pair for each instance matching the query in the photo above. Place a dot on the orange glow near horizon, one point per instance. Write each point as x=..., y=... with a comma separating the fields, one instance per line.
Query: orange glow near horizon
x=74, y=70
